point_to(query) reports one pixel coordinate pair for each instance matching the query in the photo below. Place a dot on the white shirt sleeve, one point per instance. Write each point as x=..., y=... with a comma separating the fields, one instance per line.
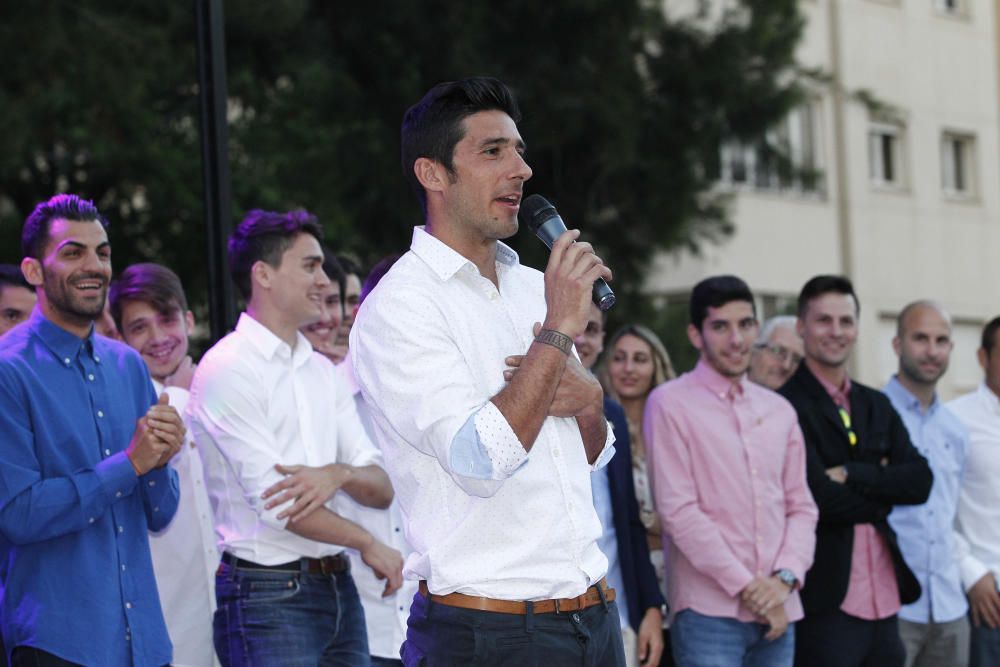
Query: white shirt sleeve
x=227, y=411
x=419, y=385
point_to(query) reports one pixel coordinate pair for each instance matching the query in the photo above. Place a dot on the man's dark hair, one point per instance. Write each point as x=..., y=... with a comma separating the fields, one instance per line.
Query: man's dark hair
x=989, y=340
x=264, y=236
x=433, y=126
x=377, y=273
x=819, y=285
x=716, y=292
x=350, y=267
x=35, y=233
x=11, y=276
x=333, y=267
x=149, y=283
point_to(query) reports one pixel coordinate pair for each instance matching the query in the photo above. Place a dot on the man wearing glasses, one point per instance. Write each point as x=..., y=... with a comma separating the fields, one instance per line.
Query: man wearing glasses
x=860, y=463
x=777, y=352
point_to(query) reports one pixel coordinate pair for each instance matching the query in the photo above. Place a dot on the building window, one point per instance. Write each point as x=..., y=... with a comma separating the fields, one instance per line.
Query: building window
x=958, y=164
x=786, y=158
x=885, y=155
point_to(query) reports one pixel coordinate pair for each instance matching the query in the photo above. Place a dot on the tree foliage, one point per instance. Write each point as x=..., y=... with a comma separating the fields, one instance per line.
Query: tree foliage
x=624, y=111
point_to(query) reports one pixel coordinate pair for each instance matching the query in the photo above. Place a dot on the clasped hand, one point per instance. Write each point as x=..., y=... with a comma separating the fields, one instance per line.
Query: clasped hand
x=158, y=436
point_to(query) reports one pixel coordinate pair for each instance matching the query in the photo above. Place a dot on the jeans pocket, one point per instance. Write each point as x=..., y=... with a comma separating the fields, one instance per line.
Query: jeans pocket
x=257, y=589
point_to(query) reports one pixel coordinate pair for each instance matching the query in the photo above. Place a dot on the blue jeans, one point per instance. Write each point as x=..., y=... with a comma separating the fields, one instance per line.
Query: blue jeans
x=441, y=636
x=984, y=647
x=287, y=618
x=709, y=641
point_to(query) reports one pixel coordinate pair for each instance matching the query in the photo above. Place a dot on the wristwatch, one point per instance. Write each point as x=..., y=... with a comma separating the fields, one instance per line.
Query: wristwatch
x=786, y=577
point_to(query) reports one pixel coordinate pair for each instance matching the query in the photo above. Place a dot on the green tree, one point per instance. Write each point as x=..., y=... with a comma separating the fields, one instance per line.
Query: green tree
x=624, y=112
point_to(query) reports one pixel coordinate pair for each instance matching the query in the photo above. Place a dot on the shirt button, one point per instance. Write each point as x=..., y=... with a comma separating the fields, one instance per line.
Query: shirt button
x=152, y=482
x=118, y=494
x=121, y=529
x=107, y=452
x=123, y=567
x=91, y=520
x=97, y=359
x=91, y=377
x=156, y=509
x=100, y=413
x=128, y=605
x=66, y=361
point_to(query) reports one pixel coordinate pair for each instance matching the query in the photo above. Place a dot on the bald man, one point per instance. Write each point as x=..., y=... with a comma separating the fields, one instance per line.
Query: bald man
x=934, y=629
x=776, y=353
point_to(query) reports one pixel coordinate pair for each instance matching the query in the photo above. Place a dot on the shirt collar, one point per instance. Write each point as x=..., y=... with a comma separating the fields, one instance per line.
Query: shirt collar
x=716, y=382
x=445, y=261
x=63, y=344
x=836, y=393
x=901, y=395
x=269, y=345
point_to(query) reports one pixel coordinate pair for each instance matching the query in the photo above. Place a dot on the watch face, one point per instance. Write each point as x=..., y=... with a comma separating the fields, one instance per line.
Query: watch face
x=786, y=577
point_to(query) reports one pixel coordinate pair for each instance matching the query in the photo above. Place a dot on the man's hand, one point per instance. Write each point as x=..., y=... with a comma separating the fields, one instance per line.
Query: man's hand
x=837, y=474
x=578, y=392
x=158, y=436
x=763, y=594
x=182, y=375
x=309, y=487
x=569, y=282
x=651, y=637
x=778, y=620
x=386, y=562
x=984, y=602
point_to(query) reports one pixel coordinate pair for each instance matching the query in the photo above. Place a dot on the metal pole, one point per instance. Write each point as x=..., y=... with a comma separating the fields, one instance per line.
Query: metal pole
x=215, y=162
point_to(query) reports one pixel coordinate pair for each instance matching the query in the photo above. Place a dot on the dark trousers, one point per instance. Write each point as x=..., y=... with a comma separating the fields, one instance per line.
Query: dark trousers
x=26, y=656
x=837, y=640
x=441, y=636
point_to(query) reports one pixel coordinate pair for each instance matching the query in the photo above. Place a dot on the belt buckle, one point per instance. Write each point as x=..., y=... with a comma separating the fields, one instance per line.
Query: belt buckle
x=325, y=566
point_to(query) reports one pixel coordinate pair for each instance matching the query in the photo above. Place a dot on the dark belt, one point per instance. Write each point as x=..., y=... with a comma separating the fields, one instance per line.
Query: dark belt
x=597, y=594
x=326, y=565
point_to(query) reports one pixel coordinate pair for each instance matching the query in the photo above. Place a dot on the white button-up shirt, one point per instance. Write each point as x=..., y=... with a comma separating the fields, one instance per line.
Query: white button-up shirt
x=185, y=556
x=256, y=402
x=385, y=617
x=978, y=520
x=483, y=516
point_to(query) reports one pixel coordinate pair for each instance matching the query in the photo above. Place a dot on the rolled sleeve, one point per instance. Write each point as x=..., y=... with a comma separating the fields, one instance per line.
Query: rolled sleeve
x=608, y=452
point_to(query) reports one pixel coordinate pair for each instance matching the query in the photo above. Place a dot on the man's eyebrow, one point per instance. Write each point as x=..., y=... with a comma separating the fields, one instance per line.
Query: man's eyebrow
x=504, y=141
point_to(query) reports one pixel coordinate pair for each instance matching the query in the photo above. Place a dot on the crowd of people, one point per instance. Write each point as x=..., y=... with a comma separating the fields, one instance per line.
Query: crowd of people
x=447, y=462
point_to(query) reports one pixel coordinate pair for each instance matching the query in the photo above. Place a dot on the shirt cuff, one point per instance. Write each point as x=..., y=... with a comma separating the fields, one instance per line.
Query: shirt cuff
x=609, y=451
x=117, y=476
x=972, y=571
x=498, y=440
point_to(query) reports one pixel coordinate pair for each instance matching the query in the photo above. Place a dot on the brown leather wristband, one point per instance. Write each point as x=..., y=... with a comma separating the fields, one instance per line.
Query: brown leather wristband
x=556, y=339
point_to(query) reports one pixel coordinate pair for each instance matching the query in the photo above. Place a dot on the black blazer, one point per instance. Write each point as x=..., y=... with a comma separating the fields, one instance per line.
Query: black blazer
x=642, y=591
x=871, y=489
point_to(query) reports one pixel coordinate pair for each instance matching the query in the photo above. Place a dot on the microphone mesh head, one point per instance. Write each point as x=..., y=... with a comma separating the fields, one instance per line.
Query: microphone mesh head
x=534, y=211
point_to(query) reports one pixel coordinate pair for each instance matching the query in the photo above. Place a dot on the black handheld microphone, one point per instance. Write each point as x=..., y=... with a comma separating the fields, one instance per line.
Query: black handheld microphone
x=541, y=217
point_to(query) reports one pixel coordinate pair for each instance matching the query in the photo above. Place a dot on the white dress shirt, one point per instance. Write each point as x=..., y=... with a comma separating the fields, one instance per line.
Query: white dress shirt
x=185, y=556
x=483, y=516
x=256, y=402
x=978, y=520
x=385, y=617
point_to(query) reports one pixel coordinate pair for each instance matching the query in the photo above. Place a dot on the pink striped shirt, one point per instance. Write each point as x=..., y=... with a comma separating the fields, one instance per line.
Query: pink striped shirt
x=729, y=481
x=872, y=590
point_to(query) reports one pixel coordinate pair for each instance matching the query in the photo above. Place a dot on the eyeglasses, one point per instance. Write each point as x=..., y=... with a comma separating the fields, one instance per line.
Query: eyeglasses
x=781, y=352
x=845, y=417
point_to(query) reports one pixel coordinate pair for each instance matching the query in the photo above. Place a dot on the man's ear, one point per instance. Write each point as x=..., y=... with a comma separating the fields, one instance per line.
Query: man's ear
x=189, y=321
x=694, y=336
x=261, y=273
x=431, y=174
x=32, y=270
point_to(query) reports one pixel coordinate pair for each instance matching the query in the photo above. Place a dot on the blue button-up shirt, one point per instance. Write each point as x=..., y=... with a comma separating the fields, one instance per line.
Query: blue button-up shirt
x=76, y=578
x=600, y=485
x=926, y=532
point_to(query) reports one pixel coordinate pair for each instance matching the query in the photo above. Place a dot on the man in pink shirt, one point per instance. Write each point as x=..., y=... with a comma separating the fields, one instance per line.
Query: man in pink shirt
x=859, y=463
x=728, y=470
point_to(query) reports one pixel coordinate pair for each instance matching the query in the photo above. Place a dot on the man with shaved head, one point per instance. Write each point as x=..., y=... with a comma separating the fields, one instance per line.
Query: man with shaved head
x=934, y=629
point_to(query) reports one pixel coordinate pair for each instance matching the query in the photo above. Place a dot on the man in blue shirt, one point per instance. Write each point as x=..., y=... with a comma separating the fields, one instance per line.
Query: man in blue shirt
x=934, y=629
x=83, y=448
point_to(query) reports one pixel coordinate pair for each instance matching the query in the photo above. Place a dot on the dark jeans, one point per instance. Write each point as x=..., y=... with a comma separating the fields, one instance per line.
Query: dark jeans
x=292, y=619
x=984, y=647
x=26, y=656
x=385, y=662
x=441, y=636
x=837, y=640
